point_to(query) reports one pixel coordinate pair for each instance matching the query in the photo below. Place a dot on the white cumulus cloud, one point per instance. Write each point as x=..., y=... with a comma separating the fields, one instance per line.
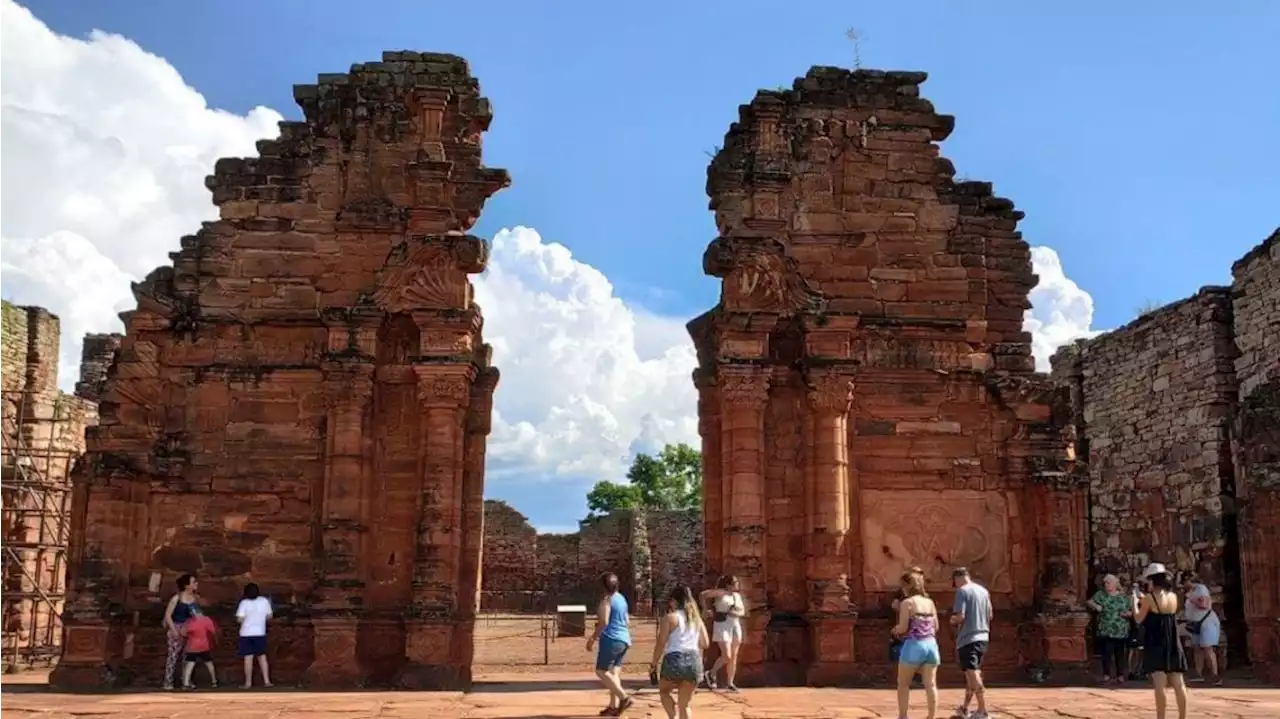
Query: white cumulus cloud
x=105, y=153
x=1060, y=311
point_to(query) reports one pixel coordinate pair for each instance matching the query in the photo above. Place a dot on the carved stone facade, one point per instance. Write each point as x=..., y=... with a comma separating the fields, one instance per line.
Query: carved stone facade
x=302, y=400
x=867, y=395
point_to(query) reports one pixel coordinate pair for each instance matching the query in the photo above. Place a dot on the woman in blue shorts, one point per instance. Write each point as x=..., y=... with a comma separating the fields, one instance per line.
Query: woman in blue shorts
x=918, y=628
x=613, y=632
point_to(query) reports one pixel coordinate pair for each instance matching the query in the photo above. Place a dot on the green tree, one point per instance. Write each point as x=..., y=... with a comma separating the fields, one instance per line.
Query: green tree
x=670, y=480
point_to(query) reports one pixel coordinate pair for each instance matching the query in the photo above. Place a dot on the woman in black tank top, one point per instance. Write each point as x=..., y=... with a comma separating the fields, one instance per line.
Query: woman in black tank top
x=1162, y=654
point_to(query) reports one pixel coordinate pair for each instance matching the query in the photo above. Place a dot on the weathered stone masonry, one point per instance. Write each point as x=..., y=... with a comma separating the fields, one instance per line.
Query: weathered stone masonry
x=650, y=551
x=302, y=400
x=1256, y=447
x=43, y=436
x=867, y=396
x=1156, y=405
x=1178, y=432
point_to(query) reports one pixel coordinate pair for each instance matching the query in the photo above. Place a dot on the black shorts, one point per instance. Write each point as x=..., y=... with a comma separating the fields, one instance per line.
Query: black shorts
x=197, y=657
x=970, y=655
x=252, y=646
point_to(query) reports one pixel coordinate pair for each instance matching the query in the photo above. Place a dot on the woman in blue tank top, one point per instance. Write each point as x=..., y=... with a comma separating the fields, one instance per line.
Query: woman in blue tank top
x=182, y=606
x=613, y=632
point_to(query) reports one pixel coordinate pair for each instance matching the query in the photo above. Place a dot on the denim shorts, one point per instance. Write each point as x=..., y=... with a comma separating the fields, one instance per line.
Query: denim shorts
x=610, y=653
x=681, y=666
x=920, y=653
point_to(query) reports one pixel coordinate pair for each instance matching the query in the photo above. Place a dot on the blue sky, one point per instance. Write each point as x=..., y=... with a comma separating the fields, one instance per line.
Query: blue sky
x=1139, y=137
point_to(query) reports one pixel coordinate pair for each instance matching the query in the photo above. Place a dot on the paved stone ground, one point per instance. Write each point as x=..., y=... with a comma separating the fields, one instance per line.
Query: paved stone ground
x=510, y=696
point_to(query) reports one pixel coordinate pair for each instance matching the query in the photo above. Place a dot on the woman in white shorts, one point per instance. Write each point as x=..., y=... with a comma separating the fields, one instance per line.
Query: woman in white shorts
x=728, y=609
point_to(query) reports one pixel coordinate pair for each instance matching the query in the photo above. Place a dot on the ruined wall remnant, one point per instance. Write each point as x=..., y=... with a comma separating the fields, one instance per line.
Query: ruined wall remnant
x=43, y=436
x=867, y=395
x=510, y=581
x=1256, y=437
x=302, y=400
x=651, y=551
x=1156, y=407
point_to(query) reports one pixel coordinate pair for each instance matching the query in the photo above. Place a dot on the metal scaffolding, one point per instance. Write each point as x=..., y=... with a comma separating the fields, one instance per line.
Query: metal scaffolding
x=36, y=496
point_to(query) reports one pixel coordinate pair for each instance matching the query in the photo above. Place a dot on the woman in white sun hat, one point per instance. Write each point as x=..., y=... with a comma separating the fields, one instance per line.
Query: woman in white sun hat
x=1162, y=654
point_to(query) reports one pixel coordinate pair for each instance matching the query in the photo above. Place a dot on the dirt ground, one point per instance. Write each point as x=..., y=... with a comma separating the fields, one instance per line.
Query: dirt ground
x=517, y=645
x=519, y=674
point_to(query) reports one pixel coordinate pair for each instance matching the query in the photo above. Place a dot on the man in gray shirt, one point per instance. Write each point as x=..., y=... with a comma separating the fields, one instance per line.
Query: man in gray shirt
x=971, y=615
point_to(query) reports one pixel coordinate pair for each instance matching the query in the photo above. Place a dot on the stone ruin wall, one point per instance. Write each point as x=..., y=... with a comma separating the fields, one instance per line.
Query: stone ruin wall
x=1256, y=445
x=43, y=436
x=1157, y=406
x=1179, y=432
x=302, y=399
x=527, y=572
x=867, y=396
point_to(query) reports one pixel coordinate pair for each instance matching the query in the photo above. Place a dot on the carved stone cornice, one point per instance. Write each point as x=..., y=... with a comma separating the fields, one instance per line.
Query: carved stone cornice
x=441, y=387
x=829, y=391
x=745, y=387
x=759, y=276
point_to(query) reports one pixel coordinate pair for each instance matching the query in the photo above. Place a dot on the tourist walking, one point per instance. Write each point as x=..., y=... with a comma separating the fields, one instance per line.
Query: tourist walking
x=677, y=654
x=1205, y=628
x=201, y=633
x=728, y=609
x=971, y=615
x=181, y=607
x=613, y=633
x=253, y=612
x=918, y=628
x=1162, y=654
x=1114, y=609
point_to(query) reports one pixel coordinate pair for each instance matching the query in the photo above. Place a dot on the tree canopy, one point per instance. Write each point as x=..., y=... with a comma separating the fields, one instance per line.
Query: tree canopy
x=670, y=480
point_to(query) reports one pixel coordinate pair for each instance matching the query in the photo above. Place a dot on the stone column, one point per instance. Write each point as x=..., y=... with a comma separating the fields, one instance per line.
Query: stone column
x=712, y=491
x=348, y=387
x=831, y=621
x=744, y=390
x=445, y=394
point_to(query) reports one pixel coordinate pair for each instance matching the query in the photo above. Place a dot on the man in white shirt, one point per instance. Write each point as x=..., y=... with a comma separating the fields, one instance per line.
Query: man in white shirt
x=1204, y=626
x=253, y=613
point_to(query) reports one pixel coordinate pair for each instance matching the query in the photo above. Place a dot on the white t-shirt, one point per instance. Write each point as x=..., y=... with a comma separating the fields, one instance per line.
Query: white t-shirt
x=253, y=614
x=1191, y=611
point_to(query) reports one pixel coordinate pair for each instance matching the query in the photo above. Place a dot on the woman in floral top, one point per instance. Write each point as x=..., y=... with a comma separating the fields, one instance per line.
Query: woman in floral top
x=1114, y=609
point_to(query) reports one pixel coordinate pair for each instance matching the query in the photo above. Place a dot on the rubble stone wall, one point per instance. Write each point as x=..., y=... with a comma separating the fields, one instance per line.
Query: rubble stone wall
x=650, y=551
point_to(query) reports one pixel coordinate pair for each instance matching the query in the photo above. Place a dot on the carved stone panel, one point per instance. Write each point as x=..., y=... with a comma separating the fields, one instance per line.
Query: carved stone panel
x=429, y=279
x=936, y=530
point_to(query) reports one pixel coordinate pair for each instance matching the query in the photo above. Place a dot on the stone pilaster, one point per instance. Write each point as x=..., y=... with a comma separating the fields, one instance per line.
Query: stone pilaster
x=478, y=425
x=744, y=391
x=445, y=394
x=712, y=475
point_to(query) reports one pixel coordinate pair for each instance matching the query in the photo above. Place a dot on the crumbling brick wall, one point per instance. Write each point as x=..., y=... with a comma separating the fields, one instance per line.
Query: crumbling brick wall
x=43, y=435
x=650, y=551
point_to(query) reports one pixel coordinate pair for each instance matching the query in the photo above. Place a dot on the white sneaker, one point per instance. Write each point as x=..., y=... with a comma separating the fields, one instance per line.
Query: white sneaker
x=961, y=713
x=979, y=714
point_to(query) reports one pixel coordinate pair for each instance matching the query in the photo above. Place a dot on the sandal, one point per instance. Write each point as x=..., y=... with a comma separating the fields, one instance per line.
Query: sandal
x=624, y=705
